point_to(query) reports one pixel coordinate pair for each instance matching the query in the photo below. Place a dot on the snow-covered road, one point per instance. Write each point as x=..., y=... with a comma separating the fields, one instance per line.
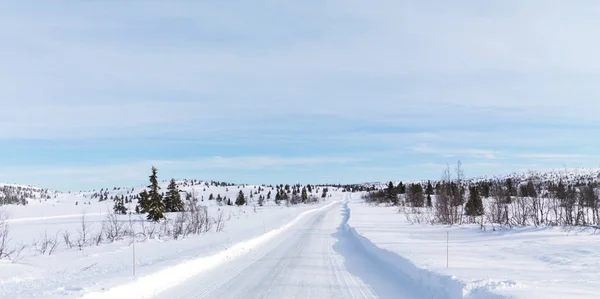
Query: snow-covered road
x=316, y=258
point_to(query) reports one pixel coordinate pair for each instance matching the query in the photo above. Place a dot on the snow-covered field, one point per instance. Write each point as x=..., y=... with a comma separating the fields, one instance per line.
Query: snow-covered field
x=366, y=251
x=73, y=272
x=530, y=262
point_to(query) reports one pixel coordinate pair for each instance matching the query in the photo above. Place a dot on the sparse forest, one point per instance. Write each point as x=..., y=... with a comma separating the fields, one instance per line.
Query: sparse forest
x=517, y=200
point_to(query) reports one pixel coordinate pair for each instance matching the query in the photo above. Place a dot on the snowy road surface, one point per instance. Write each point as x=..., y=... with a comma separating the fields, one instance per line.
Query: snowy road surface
x=317, y=258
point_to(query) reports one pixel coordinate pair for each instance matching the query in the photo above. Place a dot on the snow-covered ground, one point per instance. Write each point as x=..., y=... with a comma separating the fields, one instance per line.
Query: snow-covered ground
x=530, y=262
x=71, y=273
x=356, y=246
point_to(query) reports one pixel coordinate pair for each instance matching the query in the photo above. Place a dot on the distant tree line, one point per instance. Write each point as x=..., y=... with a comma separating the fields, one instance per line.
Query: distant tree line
x=20, y=195
x=510, y=201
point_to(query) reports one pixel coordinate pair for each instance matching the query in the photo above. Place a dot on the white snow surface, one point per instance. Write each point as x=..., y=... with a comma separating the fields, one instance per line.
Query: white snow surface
x=315, y=258
x=149, y=285
x=530, y=262
x=72, y=273
x=337, y=250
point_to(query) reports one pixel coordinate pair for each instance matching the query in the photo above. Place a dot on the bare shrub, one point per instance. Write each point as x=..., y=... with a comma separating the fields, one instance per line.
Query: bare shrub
x=148, y=231
x=15, y=254
x=179, y=226
x=46, y=244
x=519, y=211
x=219, y=221
x=67, y=239
x=4, y=235
x=208, y=222
x=165, y=229
x=98, y=237
x=416, y=215
x=445, y=204
x=197, y=219
x=113, y=228
x=84, y=232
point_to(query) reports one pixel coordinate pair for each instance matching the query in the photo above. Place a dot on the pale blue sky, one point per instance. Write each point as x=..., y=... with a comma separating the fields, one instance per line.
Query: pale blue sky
x=92, y=93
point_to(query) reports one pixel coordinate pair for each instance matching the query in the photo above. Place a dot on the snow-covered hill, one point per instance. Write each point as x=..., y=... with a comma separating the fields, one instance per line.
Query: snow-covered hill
x=21, y=194
x=568, y=176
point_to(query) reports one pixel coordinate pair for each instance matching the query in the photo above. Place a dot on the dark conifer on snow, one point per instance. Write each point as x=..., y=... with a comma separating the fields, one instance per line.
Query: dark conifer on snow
x=119, y=206
x=304, y=195
x=474, y=206
x=241, y=199
x=156, y=207
x=172, y=200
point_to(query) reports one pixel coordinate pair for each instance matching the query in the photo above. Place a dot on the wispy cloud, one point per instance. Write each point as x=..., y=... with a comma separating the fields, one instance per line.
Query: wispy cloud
x=555, y=156
x=450, y=152
x=472, y=80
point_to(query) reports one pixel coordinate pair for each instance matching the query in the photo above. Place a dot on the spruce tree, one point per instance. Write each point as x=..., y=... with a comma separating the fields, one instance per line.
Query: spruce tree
x=240, y=200
x=143, y=203
x=172, y=200
x=392, y=194
x=400, y=189
x=119, y=207
x=512, y=191
x=474, y=206
x=429, y=189
x=269, y=195
x=277, y=197
x=156, y=207
x=561, y=192
x=429, y=204
x=304, y=195
x=211, y=197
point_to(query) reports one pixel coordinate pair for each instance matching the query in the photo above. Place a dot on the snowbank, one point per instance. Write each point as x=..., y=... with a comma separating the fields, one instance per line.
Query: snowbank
x=152, y=284
x=427, y=284
x=528, y=262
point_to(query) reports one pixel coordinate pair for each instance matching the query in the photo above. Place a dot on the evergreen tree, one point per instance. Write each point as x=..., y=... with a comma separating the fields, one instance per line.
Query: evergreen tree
x=400, y=189
x=561, y=192
x=240, y=200
x=415, y=195
x=211, y=197
x=512, y=191
x=429, y=189
x=143, y=203
x=485, y=189
x=392, y=194
x=304, y=195
x=474, y=206
x=156, y=207
x=277, y=197
x=531, y=192
x=429, y=204
x=325, y=190
x=119, y=207
x=172, y=200
x=309, y=188
x=261, y=200
x=269, y=195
